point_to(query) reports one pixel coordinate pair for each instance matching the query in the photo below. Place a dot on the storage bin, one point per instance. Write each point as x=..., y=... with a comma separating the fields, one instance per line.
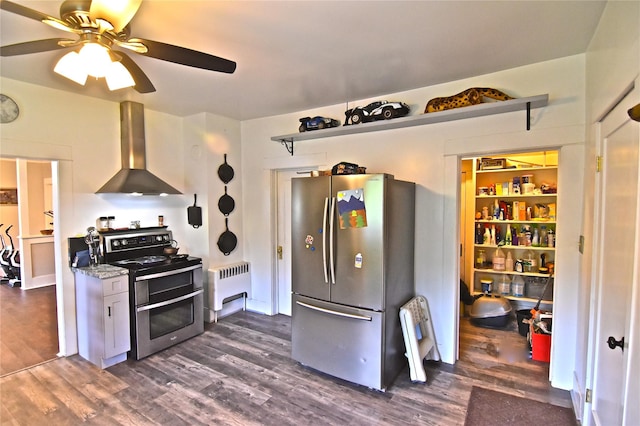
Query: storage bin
x=521, y=316
x=490, y=311
x=534, y=287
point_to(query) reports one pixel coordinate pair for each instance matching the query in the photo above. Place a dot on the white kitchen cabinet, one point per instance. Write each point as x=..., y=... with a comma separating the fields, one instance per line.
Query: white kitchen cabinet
x=495, y=202
x=102, y=303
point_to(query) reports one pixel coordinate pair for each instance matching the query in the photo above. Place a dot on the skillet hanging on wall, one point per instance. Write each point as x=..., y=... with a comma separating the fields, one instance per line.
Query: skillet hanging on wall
x=228, y=240
x=225, y=171
x=226, y=203
x=194, y=213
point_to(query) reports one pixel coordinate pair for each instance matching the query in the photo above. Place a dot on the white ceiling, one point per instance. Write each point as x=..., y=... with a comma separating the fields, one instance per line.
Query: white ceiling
x=299, y=55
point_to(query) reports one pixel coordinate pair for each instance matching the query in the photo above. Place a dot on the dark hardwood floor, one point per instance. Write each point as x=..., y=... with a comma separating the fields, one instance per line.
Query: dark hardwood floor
x=239, y=372
x=28, y=327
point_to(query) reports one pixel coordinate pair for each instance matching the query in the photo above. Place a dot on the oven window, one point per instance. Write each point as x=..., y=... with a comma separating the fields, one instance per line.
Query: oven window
x=167, y=319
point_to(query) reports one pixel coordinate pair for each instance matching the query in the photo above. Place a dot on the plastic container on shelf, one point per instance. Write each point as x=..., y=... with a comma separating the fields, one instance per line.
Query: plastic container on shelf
x=504, y=285
x=530, y=262
x=498, y=260
x=517, y=286
x=486, y=284
x=508, y=263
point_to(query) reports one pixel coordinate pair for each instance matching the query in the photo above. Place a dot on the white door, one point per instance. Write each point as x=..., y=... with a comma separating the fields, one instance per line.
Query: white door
x=284, y=239
x=616, y=255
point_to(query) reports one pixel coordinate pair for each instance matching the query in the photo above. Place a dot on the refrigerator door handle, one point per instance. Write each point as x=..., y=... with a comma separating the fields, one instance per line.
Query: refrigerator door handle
x=324, y=240
x=332, y=266
x=332, y=312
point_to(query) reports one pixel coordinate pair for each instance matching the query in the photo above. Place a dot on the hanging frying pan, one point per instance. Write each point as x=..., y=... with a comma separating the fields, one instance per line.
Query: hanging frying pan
x=225, y=171
x=194, y=213
x=226, y=204
x=228, y=240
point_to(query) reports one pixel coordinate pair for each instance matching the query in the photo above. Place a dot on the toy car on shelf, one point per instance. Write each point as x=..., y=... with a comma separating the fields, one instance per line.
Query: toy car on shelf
x=317, y=122
x=379, y=110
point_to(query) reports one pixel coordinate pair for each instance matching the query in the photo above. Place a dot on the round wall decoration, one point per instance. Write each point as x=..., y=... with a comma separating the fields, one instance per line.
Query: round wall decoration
x=9, y=110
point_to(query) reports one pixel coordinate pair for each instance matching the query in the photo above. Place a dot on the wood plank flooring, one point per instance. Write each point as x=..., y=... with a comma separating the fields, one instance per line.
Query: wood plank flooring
x=28, y=327
x=239, y=372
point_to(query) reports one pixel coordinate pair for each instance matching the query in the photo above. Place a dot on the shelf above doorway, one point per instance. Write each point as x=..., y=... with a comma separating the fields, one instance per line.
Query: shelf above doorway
x=490, y=108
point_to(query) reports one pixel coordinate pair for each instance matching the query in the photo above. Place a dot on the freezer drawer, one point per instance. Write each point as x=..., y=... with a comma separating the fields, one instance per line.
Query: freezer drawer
x=337, y=340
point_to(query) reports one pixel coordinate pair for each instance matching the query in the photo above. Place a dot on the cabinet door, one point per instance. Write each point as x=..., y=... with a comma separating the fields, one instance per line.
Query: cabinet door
x=116, y=324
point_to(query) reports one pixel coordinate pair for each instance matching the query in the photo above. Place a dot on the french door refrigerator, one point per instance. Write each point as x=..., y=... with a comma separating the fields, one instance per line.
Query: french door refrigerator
x=352, y=242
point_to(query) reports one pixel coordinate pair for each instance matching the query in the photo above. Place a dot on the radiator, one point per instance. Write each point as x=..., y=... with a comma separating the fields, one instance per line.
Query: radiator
x=228, y=281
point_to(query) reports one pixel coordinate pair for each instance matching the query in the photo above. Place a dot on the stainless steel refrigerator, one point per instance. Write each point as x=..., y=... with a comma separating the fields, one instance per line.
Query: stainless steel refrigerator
x=352, y=242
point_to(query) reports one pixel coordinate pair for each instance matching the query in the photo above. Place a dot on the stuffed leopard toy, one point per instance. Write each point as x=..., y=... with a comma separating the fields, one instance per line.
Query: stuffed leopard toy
x=472, y=96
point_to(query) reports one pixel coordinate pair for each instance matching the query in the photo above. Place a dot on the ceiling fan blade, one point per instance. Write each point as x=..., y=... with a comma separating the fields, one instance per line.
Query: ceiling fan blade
x=184, y=56
x=117, y=13
x=34, y=14
x=143, y=84
x=36, y=46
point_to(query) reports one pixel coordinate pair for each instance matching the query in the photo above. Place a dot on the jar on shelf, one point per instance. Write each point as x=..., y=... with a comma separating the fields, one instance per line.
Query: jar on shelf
x=486, y=284
x=481, y=259
x=544, y=239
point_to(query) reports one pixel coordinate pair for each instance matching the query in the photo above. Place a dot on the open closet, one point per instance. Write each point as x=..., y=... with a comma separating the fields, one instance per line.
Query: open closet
x=508, y=222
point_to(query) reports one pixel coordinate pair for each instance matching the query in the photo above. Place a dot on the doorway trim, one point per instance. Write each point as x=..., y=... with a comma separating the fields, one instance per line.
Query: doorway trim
x=564, y=139
x=275, y=165
x=61, y=174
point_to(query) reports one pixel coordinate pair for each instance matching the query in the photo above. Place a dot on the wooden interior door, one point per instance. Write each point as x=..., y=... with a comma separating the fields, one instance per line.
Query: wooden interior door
x=617, y=257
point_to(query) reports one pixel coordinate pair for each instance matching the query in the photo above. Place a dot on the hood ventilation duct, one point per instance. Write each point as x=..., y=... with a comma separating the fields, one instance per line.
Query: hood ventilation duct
x=134, y=178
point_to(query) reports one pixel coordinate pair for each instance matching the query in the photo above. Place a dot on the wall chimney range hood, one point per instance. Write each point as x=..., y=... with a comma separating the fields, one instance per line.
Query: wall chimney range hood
x=134, y=178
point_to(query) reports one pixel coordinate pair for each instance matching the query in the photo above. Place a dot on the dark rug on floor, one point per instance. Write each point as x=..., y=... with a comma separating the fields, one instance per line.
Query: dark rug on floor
x=487, y=407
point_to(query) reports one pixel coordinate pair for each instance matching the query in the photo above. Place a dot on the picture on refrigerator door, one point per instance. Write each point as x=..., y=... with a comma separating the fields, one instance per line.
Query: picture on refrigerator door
x=351, y=208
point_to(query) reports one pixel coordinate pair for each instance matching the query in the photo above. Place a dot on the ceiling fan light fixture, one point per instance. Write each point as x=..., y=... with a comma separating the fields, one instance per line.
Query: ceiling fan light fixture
x=117, y=12
x=72, y=67
x=95, y=59
x=118, y=77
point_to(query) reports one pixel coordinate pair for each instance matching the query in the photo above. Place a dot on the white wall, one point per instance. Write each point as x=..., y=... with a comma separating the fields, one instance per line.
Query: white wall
x=427, y=155
x=82, y=135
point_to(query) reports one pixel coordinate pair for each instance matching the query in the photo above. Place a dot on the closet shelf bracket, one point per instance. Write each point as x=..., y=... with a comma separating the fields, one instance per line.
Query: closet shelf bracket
x=288, y=144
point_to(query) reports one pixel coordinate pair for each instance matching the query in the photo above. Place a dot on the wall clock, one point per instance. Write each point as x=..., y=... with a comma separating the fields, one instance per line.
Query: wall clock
x=9, y=110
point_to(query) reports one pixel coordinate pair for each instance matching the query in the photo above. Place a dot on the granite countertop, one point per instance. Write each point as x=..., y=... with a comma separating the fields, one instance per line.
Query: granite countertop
x=102, y=271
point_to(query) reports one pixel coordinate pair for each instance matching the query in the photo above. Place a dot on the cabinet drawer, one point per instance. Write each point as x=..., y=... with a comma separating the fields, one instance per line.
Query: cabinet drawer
x=115, y=285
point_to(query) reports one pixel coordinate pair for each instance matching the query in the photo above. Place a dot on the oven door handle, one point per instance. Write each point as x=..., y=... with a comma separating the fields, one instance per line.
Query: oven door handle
x=168, y=302
x=167, y=273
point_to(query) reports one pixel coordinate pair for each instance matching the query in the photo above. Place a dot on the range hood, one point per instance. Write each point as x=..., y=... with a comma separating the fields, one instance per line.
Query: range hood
x=134, y=178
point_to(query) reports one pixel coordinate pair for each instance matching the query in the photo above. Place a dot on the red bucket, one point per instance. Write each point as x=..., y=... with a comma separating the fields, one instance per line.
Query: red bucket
x=541, y=347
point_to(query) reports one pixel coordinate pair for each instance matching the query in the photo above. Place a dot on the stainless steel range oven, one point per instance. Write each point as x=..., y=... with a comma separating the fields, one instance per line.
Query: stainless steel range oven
x=166, y=292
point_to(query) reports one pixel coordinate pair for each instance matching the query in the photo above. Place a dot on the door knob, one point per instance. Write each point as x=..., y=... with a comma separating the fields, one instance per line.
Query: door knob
x=613, y=343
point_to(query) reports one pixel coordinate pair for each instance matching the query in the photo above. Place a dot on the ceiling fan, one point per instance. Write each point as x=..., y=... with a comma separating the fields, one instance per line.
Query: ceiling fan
x=103, y=25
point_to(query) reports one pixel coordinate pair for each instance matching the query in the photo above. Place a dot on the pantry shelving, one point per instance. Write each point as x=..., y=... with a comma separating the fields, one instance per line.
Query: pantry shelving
x=515, y=223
